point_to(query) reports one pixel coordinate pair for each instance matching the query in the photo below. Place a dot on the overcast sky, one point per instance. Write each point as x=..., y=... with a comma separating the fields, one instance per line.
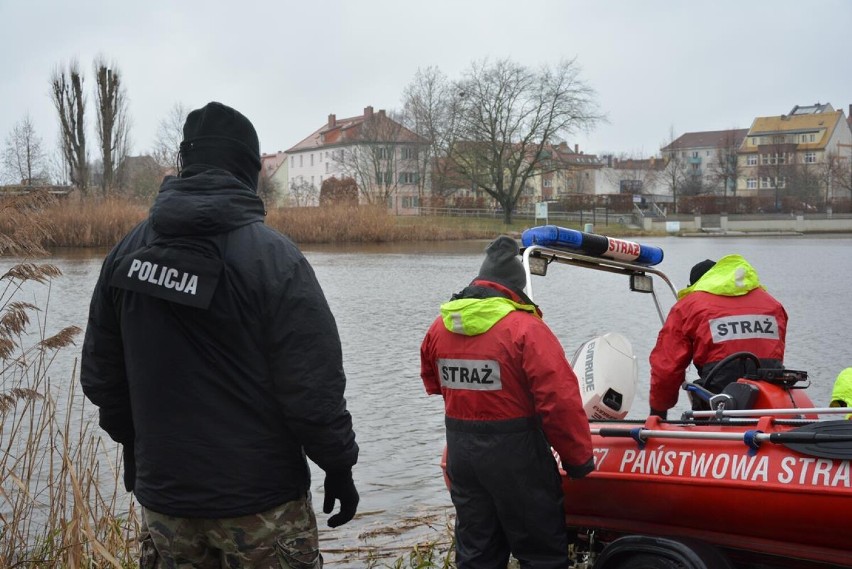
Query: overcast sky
x=657, y=66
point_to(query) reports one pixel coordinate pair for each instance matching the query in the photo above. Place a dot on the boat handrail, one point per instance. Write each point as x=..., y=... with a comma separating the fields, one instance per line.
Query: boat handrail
x=562, y=256
x=766, y=412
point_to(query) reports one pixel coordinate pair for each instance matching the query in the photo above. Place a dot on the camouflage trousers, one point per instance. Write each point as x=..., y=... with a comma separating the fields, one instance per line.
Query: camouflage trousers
x=284, y=537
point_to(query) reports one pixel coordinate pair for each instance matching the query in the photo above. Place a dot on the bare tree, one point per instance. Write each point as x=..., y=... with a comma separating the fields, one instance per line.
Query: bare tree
x=508, y=114
x=774, y=167
x=169, y=137
x=24, y=160
x=674, y=175
x=267, y=189
x=431, y=109
x=70, y=103
x=837, y=174
x=112, y=121
x=303, y=193
x=724, y=170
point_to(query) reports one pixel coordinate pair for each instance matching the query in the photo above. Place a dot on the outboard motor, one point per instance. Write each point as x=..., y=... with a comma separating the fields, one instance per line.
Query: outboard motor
x=608, y=373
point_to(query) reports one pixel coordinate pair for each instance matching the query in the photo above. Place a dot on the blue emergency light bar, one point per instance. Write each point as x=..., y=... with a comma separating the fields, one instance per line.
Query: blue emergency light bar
x=592, y=244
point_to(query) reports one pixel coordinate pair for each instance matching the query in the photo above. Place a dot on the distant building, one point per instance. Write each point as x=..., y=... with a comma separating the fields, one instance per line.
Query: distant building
x=637, y=176
x=791, y=154
x=273, y=171
x=704, y=157
x=564, y=171
x=380, y=154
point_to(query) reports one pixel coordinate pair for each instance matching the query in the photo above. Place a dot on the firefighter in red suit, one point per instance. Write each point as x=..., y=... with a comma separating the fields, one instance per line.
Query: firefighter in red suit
x=724, y=310
x=509, y=395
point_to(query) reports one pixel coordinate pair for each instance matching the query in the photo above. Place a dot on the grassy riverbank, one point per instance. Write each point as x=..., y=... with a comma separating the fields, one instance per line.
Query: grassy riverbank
x=101, y=223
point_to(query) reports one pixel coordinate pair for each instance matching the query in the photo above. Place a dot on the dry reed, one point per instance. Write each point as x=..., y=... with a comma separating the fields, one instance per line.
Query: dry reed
x=61, y=502
x=361, y=224
x=101, y=223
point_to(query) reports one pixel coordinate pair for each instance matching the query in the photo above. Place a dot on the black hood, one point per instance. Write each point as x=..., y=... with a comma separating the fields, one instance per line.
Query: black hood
x=207, y=203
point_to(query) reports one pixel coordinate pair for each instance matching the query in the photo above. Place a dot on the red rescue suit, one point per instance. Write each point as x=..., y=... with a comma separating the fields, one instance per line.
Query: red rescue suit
x=535, y=378
x=725, y=312
x=509, y=395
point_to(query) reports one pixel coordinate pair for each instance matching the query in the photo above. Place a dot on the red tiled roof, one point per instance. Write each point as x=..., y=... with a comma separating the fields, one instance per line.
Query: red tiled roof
x=338, y=132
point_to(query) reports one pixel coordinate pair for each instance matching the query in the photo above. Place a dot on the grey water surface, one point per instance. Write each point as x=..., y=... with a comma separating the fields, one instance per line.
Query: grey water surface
x=385, y=296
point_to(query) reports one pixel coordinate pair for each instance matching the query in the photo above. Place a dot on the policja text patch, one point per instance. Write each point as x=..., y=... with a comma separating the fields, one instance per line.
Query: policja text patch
x=174, y=275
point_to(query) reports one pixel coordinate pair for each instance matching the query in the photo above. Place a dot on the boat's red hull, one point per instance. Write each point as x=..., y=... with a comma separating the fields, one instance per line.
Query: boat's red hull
x=772, y=501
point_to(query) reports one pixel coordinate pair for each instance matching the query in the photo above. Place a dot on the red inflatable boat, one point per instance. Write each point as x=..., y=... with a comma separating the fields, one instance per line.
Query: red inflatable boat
x=760, y=480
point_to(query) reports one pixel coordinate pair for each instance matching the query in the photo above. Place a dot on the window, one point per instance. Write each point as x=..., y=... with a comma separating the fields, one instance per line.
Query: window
x=382, y=153
x=409, y=202
x=776, y=158
x=408, y=153
x=695, y=154
x=301, y=160
x=292, y=162
x=408, y=177
x=312, y=158
x=707, y=153
x=810, y=157
x=751, y=183
x=384, y=178
x=764, y=182
x=548, y=183
x=811, y=137
x=751, y=160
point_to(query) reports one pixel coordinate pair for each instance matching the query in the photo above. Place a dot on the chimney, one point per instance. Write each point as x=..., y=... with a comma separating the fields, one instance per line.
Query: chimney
x=332, y=121
x=382, y=113
x=576, y=149
x=368, y=112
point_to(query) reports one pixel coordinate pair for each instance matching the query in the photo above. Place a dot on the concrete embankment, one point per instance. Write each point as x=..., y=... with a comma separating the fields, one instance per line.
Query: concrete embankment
x=750, y=225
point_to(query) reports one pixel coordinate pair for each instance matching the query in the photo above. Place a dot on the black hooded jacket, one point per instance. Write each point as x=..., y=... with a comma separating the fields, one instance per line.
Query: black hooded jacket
x=212, y=355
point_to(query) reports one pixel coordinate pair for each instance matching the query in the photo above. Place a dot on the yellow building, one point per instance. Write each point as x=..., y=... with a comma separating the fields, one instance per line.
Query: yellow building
x=793, y=156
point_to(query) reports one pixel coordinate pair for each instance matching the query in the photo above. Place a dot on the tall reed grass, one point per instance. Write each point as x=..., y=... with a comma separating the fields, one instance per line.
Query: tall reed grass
x=61, y=502
x=96, y=222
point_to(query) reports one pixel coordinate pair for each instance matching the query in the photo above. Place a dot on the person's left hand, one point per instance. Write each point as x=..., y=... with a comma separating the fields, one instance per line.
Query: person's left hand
x=579, y=471
x=339, y=485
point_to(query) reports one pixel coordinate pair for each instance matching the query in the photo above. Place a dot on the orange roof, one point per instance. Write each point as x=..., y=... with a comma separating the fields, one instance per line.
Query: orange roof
x=338, y=132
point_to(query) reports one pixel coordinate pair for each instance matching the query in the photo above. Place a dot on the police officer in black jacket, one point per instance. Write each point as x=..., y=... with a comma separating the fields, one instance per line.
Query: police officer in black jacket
x=213, y=358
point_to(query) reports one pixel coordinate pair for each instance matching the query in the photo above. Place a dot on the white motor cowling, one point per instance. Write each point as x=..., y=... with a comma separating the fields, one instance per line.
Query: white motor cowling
x=608, y=373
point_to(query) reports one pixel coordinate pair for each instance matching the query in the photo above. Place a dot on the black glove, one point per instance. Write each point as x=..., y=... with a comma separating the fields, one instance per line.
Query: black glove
x=576, y=472
x=339, y=485
x=661, y=414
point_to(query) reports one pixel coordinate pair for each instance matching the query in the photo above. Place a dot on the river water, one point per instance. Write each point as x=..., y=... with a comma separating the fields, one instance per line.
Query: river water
x=385, y=296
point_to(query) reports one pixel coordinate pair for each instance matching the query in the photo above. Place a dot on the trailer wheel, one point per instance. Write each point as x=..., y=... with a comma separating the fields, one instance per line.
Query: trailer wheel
x=648, y=561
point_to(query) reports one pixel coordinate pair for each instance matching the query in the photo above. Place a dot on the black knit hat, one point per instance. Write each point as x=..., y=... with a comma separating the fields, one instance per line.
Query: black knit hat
x=221, y=137
x=699, y=269
x=502, y=264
